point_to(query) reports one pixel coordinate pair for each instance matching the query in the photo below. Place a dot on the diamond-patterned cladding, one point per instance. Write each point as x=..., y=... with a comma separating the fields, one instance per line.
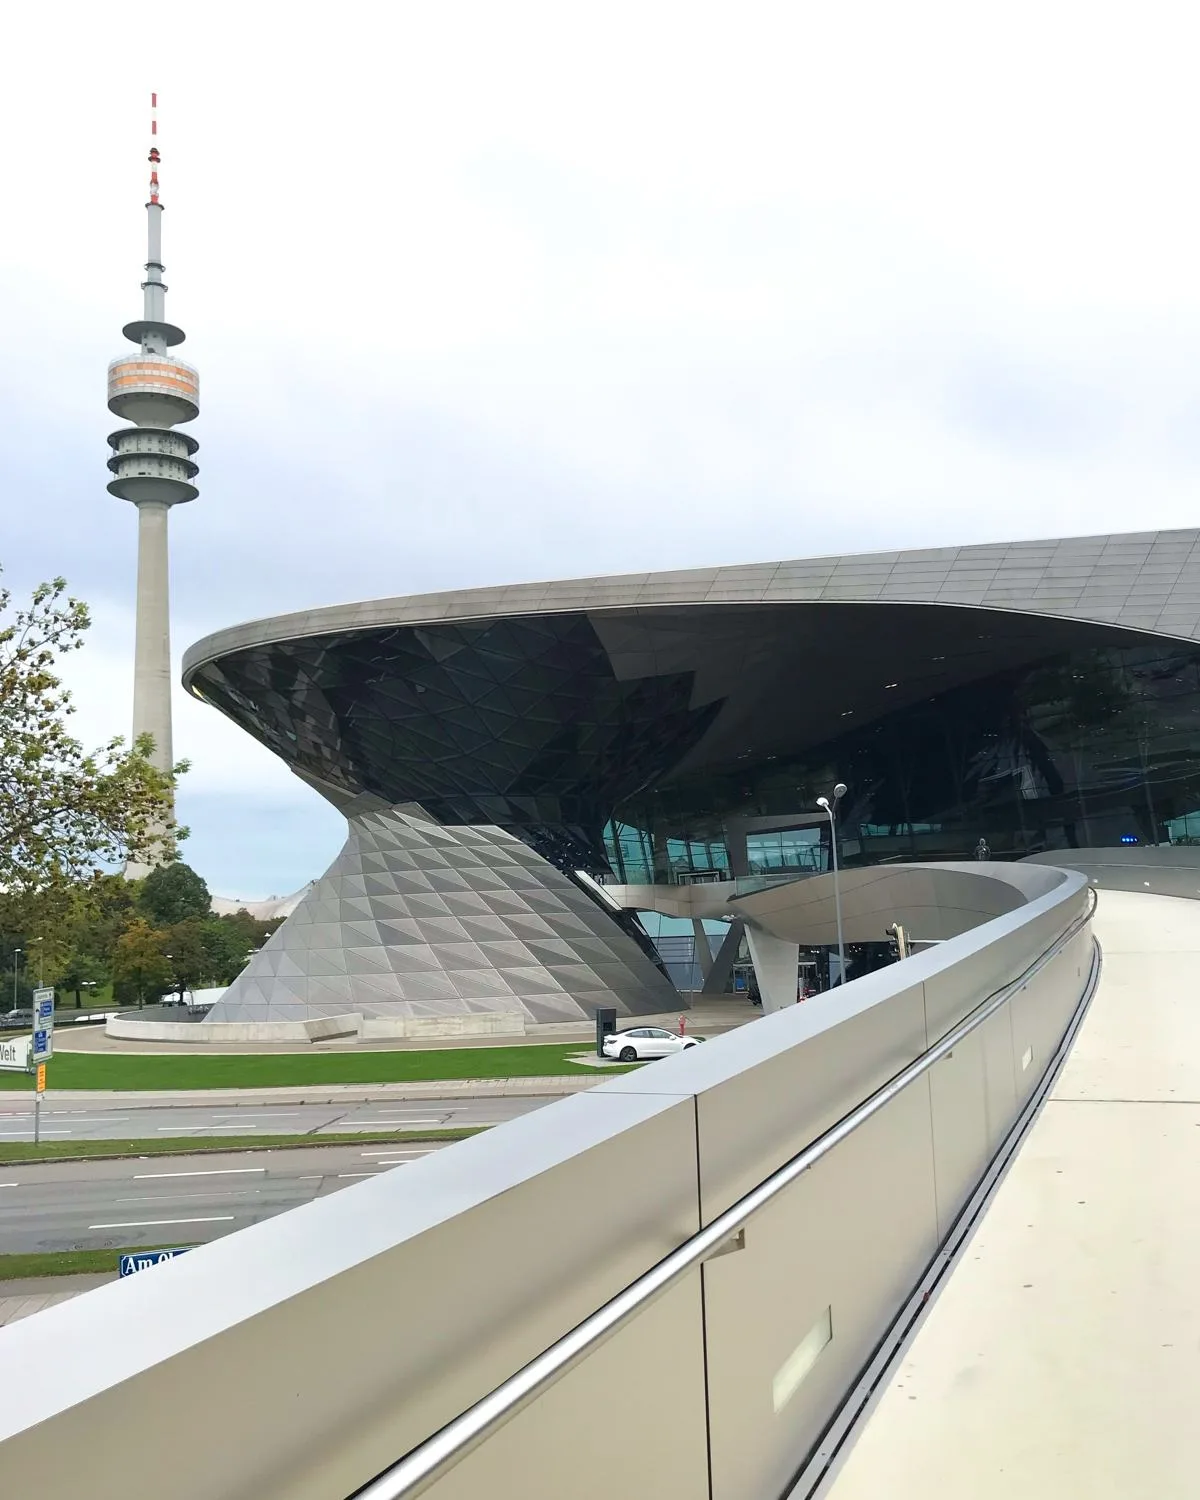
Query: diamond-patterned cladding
x=416, y=955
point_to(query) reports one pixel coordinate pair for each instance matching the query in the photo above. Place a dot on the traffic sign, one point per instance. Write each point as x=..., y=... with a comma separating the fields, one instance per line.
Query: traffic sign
x=43, y=1045
x=14, y=1055
x=41, y=1078
x=43, y=1009
x=142, y=1260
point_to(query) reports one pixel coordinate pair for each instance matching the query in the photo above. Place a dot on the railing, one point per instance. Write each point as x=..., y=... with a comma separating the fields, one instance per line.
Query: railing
x=414, y=1474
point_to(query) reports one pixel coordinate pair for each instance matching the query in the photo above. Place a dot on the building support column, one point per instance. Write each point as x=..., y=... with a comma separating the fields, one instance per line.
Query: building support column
x=722, y=965
x=776, y=967
x=704, y=955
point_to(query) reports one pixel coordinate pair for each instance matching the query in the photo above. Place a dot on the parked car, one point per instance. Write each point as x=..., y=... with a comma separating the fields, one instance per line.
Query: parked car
x=644, y=1042
x=17, y=1020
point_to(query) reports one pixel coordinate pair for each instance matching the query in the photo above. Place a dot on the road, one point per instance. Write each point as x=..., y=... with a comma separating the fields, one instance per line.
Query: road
x=86, y=1120
x=85, y=1205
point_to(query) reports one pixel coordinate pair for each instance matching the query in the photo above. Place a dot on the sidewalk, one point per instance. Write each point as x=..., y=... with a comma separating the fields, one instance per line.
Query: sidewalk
x=709, y=1015
x=1060, y=1359
x=21, y=1299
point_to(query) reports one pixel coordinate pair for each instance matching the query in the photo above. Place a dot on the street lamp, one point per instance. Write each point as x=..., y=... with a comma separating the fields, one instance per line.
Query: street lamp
x=16, y=965
x=41, y=962
x=839, y=792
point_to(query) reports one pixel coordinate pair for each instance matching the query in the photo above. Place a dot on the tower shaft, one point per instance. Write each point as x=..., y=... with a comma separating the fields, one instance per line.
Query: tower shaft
x=152, y=648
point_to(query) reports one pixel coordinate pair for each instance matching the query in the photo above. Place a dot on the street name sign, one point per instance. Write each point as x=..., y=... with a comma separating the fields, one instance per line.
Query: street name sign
x=142, y=1260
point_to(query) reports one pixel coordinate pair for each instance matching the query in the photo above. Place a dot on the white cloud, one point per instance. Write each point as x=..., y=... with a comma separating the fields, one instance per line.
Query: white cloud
x=481, y=293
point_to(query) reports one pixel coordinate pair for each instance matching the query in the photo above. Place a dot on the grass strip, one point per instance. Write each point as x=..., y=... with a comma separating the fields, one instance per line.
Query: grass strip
x=122, y=1071
x=12, y=1152
x=70, y=1262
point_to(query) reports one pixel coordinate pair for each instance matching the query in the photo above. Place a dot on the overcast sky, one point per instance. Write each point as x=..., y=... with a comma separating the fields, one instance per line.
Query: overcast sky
x=481, y=293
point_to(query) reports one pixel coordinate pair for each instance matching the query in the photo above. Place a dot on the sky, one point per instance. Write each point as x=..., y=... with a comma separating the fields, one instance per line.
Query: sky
x=481, y=294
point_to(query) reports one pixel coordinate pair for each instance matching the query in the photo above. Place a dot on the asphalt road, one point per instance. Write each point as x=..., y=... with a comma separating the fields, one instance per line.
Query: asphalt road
x=89, y=1121
x=163, y=1200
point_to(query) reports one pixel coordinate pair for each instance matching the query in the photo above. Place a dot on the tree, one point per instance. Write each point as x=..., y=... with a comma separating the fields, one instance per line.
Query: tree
x=226, y=949
x=141, y=970
x=173, y=893
x=79, y=970
x=64, y=810
x=252, y=932
x=188, y=957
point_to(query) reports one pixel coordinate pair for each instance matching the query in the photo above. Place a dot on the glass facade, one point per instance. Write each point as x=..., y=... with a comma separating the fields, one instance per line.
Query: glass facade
x=666, y=744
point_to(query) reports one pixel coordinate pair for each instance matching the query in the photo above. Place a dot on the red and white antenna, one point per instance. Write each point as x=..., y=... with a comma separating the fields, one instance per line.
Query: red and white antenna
x=155, y=159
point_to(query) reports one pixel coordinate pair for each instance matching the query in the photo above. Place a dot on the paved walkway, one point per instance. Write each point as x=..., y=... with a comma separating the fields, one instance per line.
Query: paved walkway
x=708, y=1016
x=1063, y=1356
x=20, y=1299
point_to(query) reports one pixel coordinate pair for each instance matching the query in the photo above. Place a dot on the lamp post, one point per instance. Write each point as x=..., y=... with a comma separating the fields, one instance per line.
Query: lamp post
x=41, y=962
x=839, y=792
x=16, y=966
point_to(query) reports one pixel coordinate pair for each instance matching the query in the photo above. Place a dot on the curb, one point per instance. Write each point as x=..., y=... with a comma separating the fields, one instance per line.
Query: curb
x=454, y=1135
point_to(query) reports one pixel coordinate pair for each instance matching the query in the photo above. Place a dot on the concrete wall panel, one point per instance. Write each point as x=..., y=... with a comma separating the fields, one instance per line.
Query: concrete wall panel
x=816, y=1247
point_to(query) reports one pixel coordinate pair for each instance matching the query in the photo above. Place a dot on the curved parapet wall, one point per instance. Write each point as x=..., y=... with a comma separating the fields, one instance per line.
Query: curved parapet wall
x=324, y=1344
x=1173, y=870
x=931, y=902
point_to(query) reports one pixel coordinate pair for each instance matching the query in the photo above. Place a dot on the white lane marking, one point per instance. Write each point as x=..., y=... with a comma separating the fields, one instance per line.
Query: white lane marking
x=308, y=1177
x=356, y=1174
x=10, y=1184
x=88, y=1120
x=271, y=1114
x=202, y=1172
x=398, y=1161
x=397, y=1120
x=160, y=1223
x=20, y=1135
x=179, y=1197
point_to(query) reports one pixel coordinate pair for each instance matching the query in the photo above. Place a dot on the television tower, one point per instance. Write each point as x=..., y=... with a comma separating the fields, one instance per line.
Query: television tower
x=152, y=467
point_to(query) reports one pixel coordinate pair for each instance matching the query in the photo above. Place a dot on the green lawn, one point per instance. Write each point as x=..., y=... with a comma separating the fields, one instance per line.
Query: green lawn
x=190, y=1145
x=88, y=1070
x=69, y=1262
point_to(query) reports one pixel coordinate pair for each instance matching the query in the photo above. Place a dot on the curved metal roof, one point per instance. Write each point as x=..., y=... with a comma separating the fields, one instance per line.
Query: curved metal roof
x=1148, y=580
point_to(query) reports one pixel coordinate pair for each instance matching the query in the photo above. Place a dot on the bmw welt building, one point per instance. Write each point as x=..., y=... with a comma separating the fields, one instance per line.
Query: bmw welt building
x=508, y=758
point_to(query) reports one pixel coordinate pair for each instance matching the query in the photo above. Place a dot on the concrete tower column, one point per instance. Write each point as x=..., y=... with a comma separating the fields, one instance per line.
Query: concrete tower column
x=152, y=649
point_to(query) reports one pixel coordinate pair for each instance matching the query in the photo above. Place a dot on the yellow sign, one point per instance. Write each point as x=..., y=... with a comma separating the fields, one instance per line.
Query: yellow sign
x=41, y=1078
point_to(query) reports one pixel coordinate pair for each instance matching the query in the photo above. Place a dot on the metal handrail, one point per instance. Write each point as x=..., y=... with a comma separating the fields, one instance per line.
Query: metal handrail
x=431, y=1460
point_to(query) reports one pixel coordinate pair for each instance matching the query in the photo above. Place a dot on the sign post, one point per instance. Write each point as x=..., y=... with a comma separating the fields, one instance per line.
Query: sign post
x=42, y=1049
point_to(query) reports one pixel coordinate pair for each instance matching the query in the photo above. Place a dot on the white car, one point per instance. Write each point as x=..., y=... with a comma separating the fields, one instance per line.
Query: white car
x=645, y=1042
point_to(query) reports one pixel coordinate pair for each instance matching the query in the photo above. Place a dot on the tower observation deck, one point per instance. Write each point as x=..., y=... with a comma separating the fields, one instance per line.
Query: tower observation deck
x=153, y=467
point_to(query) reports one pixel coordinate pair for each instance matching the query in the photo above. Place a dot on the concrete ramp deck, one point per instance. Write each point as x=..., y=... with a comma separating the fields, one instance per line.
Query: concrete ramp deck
x=1062, y=1358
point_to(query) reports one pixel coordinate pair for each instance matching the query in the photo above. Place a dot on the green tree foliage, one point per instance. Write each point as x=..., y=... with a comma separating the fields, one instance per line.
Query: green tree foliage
x=187, y=955
x=173, y=893
x=64, y=810
x=141, y=970
x=80, y=970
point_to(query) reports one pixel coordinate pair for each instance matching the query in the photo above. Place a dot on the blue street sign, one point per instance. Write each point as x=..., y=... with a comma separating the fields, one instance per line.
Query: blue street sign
x=142, y=1260
x=44, y=1009
x=43, y=1046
